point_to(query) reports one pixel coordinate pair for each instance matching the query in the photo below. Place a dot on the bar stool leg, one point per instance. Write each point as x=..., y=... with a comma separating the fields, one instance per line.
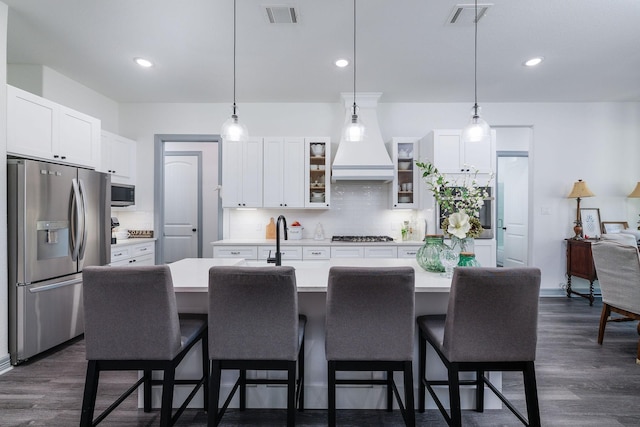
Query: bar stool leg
x=167, y=396
x=291, y=394
x=331, y=403
x=454, y=396
x=479, y=391
x=90, y=392
x=422, y=360
x=410, y=414
x=389, y=391
x=214, y=388
x=531, y=395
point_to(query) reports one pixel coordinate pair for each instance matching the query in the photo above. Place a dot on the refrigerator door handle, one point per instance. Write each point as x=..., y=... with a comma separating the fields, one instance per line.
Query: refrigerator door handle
x=55, y=285
x=76, y=218
x=83, y=242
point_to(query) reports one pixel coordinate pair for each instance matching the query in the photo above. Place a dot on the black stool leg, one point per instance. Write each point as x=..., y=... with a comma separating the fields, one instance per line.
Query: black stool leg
x=90, y=392
x=479, y=391
x=214, y=389
x=410, y=417
x=389, y=391
x=422, y=360
x=205, y=370
x=243, y=389
x=301, y=377
x=167, y=396
x=146, y=387
x=291, y=394
x=531, y=395
x=331, y=401
x=454, y=396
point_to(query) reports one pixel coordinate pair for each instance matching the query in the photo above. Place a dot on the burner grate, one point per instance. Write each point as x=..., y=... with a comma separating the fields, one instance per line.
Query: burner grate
x=361, y=239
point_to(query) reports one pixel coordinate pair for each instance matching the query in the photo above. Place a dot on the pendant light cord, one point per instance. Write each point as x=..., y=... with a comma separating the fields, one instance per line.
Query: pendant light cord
x=234, y=57
x=475, y=62
x=354, y=57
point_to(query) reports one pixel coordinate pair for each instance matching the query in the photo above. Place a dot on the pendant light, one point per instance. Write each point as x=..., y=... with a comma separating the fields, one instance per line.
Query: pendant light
x=354, y=130
x=477, y=130
x=232, y=129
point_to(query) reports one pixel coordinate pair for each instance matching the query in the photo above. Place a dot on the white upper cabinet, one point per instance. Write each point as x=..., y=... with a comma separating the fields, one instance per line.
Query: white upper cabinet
x=405, y=187
x=42, y=129
x=283, y=174
x=242, y=164
x=317, y=172
x=118, y=158
x=450, y=154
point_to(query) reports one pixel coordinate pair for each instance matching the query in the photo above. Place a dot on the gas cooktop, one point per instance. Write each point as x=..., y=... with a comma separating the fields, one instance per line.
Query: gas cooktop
x=361, y=239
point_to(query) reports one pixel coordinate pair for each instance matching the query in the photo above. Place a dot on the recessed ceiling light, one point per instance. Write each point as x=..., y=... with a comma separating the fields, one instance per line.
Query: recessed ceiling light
x=342, y=63
x=534, y=61
x=143, y=62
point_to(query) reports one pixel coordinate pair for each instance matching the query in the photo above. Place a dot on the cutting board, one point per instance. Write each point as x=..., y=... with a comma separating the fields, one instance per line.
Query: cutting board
x=271, y=229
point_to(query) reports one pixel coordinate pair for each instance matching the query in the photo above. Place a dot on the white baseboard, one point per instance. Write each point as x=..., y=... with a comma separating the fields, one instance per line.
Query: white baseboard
x=5, y=364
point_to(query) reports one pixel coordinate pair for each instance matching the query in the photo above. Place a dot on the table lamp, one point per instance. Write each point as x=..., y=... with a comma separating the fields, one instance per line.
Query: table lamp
x=635, y=194
x=579, y=191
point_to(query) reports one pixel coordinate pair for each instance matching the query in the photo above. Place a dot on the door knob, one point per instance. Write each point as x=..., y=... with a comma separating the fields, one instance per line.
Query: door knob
x=194, y=229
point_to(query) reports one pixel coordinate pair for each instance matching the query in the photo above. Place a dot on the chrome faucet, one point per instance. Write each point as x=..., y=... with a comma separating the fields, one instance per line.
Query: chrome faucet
x=278, y=258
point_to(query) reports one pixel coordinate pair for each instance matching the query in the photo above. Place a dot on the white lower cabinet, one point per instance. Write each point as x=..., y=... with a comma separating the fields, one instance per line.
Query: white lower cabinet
x=408, y=251
x=381, y=252
x=287, y=252
x=347, y=252
x=246, y=252
x=133, y=255
x=316, y=252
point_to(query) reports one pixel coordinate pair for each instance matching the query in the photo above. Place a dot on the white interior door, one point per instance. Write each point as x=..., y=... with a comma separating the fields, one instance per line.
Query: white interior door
x=181, y=207
x=515, y=176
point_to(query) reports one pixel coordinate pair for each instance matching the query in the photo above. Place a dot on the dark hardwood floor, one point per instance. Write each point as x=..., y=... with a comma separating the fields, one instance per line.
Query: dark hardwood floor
x=579, y=383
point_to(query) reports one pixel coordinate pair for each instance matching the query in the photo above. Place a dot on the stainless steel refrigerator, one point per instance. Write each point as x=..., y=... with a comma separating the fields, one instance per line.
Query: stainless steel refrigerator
x=57, y=225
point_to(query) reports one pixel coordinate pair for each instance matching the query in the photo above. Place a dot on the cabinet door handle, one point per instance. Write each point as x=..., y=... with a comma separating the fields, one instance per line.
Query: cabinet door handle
x=235, y=253
x=143, y=249
x=316, y=253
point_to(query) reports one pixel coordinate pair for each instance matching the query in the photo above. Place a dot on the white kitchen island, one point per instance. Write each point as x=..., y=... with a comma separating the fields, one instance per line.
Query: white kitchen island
x=190, y=280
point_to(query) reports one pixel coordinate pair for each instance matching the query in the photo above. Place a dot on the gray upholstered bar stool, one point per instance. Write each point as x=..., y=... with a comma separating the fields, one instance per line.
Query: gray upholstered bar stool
x=254, y=324
x=369, y=327
x=132, y=323
x=491, y=325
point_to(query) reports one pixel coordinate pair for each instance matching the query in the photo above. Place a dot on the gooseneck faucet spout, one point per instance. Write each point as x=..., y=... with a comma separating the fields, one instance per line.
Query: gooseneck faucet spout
x=278, y=258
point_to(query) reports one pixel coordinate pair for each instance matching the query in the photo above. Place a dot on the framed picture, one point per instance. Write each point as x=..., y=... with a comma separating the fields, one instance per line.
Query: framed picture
x=591, y=225
x=611, y=227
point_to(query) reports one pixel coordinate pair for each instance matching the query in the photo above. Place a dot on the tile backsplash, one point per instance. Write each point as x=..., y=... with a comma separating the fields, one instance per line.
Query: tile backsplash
x=356, y=209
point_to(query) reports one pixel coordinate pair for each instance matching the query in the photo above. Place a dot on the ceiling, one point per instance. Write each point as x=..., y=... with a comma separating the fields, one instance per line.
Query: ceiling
x=405, y=49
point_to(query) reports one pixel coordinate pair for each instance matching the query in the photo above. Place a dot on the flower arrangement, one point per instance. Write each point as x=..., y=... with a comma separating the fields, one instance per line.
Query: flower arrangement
x=461, y=198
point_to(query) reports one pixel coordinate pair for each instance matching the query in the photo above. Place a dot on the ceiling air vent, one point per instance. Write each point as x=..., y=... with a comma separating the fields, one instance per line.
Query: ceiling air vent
x=465, y=13
x=281, y=14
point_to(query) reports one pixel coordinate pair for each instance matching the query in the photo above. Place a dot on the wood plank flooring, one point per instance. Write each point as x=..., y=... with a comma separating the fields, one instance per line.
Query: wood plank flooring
x=580, y=383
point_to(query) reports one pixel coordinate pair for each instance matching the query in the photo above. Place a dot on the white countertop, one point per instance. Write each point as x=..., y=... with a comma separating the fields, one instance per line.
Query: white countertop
x=192, y=274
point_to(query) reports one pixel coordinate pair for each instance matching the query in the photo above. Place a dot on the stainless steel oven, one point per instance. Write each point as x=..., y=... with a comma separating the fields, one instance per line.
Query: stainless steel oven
x=486, y=215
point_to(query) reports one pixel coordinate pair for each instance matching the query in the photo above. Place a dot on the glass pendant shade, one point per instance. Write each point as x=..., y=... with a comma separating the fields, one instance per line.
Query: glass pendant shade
x=354, y=130
x=233, y=130
x=477, y=130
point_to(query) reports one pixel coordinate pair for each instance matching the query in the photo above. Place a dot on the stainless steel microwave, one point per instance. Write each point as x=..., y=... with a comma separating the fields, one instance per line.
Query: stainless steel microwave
x=123, y=195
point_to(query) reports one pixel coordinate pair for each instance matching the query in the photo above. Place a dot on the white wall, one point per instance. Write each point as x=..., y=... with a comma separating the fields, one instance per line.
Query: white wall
x=48, y=83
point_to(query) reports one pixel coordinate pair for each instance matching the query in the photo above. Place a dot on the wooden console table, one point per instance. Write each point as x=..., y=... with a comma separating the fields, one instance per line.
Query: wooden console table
x=580, y=264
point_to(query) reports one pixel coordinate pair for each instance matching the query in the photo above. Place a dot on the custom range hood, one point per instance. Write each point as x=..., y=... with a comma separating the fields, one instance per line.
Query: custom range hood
x=367, y=160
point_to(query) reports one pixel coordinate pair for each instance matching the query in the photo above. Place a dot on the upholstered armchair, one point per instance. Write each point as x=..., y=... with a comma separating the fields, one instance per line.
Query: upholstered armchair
x=618, y=267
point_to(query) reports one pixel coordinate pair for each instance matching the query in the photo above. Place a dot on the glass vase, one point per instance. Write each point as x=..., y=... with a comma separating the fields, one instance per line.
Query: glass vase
x=463, y=245
x=428, y=256
x=468, y=259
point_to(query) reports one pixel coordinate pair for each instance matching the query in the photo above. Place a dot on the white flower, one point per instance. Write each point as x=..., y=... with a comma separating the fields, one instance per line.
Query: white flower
x=459, y=224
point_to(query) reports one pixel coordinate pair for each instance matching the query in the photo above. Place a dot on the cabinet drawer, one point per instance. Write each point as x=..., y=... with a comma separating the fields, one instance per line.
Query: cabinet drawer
x=143, y=249
x=408, y=252
x=347, y=252
x=246, y=252
x=381, y=252
x=120, y=254
x=319, y=252
x=288, y=252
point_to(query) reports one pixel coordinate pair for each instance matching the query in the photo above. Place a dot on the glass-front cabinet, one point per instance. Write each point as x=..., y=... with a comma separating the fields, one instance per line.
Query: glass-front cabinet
x=406, y=181
x=317, y=153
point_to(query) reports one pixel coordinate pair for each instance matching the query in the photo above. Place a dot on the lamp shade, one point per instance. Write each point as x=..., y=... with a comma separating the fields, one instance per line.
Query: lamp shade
x=636, y=192
x=580, y=190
